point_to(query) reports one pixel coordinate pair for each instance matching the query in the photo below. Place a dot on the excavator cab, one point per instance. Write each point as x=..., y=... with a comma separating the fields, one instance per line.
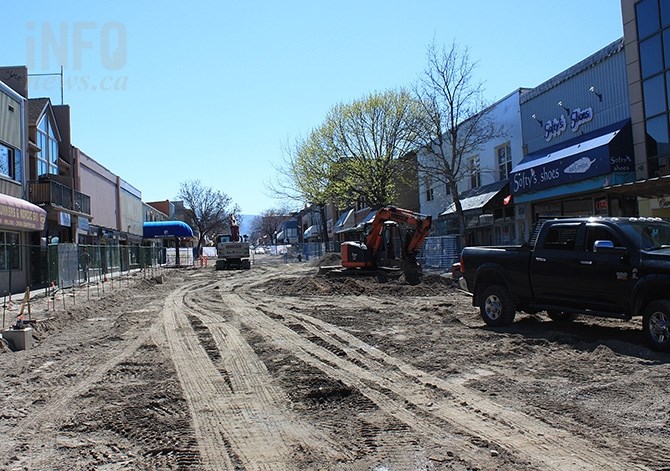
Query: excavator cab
x=392, y=242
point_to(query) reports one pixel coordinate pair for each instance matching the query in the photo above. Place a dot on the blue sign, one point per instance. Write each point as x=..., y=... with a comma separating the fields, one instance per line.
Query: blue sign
x=569, y=169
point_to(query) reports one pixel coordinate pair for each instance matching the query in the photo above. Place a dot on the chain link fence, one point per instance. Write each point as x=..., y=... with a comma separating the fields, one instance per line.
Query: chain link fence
x=66, y=265
x=436, y=253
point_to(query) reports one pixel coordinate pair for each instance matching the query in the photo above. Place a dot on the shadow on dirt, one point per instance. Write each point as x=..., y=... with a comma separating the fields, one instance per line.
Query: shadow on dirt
x=585, y=335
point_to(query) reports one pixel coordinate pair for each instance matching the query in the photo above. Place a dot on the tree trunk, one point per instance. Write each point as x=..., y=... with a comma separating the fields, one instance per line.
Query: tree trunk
x=324, y=227
x=460, y=216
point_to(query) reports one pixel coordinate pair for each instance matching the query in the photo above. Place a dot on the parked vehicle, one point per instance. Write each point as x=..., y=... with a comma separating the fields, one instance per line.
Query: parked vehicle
x=614, y=267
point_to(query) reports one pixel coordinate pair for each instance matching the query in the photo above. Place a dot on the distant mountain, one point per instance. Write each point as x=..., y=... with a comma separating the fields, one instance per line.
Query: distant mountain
x=247, y=222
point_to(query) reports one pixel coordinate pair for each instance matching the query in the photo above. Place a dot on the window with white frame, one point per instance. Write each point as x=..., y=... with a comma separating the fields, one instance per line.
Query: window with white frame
x=430, y=194
x=47, y=157
x=475, y=172
x=10, y=251
x=504, y=157
x=7, y=167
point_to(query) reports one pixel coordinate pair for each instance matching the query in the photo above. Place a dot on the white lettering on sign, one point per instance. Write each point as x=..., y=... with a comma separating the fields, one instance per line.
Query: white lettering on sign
x=554, y=128
x=579, y=117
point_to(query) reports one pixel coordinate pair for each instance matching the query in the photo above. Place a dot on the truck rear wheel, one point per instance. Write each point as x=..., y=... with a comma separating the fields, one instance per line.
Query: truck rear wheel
x=497, y=307
x=656, y=325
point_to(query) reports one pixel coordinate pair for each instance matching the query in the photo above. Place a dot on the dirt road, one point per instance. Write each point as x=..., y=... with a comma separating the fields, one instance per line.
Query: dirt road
x=278, y=369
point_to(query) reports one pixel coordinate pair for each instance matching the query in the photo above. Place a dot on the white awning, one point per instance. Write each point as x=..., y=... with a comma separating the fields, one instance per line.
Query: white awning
x=311, y=231
x=477, y=198
x=344, y=222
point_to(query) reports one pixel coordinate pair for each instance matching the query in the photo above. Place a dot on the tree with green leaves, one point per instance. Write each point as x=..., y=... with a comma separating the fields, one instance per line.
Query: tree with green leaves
x=306, y=174
x=458, y=120
x=366, y=141
x=207, y=210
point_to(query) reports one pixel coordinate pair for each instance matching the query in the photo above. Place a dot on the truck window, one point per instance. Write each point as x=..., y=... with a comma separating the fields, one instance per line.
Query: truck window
x=600, y=233
x=561, y=237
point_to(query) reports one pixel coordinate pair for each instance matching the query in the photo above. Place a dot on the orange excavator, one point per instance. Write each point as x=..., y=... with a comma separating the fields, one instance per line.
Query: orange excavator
x=393, y=242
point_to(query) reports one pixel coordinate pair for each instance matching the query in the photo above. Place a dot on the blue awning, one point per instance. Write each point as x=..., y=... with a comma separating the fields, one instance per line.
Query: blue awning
x=588, y=157
x=166, y=229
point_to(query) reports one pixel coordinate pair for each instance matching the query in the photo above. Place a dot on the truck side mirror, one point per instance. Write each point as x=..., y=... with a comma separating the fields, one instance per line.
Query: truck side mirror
x=607, y=247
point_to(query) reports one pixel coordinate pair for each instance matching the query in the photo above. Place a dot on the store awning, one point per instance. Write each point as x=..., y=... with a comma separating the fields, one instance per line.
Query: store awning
x=477, y=198
x=657, y=187
x=21, y=214
x=583, y=158
x=311, y=231
x=344, y=222
x=166, y=229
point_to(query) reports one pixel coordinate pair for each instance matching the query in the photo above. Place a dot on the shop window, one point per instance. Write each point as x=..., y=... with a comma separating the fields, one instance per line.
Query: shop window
x=428, y=184
x=475, y=172
x=10, y=251
x=647, y=17
x=47, y=157
x=504, y=158
x=7, y=167
x=658, y=141
x=654, y=96
x=665, y=14
x=651, y=56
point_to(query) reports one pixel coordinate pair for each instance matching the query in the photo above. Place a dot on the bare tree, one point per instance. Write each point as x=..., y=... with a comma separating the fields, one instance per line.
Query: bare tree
x=268, y=223
x=457, y=117
x=208, y=210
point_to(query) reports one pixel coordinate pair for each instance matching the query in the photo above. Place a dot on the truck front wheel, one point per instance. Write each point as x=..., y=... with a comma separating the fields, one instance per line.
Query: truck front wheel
x=656, y=325
x=497, y=307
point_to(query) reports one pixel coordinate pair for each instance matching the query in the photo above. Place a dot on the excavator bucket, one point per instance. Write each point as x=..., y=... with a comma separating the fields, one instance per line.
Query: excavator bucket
x=411, y=270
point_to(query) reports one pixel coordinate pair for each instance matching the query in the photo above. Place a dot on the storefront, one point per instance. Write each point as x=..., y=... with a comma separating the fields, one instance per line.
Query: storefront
x=569, y=180
x=488, y=216
x=578, y=142
x=18, y=220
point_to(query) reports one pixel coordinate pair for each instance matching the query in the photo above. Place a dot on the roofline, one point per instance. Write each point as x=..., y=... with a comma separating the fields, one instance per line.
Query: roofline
x=592, y=60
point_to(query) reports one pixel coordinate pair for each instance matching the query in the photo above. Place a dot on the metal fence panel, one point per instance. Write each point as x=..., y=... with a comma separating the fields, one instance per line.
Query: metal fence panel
x=440, y=252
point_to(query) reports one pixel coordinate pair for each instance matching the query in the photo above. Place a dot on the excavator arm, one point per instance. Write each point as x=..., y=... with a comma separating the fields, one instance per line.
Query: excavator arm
x=365, y=255
x=420, y=223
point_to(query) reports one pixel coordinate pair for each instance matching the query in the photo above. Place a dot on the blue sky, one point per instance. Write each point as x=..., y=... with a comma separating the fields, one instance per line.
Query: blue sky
x=165, y=92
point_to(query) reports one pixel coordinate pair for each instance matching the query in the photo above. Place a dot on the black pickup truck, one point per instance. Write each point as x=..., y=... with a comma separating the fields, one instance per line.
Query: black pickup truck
x=613, y=267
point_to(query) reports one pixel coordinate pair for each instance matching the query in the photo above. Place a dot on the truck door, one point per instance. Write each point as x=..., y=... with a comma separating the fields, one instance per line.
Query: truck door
x=555, y=262
x=605, y=279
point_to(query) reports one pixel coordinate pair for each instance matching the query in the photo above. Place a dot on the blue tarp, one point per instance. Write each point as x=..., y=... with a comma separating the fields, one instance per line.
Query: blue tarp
x=166, y=229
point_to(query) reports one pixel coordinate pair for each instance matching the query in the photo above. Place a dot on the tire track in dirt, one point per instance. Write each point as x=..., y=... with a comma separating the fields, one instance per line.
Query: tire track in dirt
x=365, y=382
x=246, y=426
x=519, y=434
x=62, y=403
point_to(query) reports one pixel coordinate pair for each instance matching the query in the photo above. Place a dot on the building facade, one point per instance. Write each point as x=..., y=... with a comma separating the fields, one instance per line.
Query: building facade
x=647, y=47
x=484, y=186
x=20, y=221
x=578, y=142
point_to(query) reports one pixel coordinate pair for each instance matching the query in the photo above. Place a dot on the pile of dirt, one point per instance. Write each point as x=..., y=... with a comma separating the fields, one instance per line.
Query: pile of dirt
x=327, y=260
x=343, y=285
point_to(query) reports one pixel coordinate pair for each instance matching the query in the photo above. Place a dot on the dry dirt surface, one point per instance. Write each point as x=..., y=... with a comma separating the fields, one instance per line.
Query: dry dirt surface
x=276, y=368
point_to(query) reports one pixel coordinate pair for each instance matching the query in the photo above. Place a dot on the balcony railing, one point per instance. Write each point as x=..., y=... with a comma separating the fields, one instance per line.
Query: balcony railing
x=50, y=192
